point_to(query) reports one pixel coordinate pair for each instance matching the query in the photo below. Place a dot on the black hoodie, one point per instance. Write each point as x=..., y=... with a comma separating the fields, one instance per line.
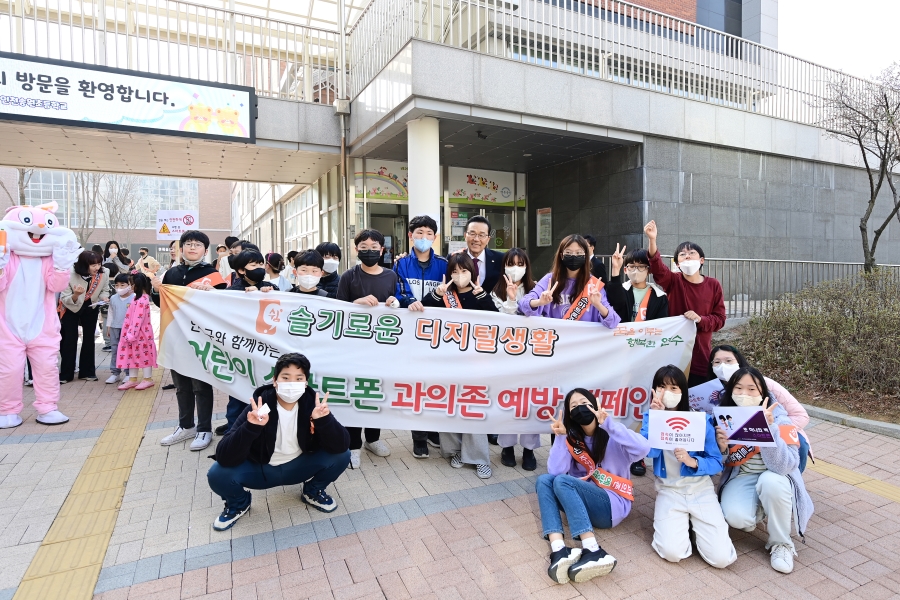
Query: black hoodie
x=256, y=443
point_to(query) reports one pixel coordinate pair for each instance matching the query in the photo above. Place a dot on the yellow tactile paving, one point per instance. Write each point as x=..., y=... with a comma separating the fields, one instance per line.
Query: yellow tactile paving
x=863, y=482
x=69, y=560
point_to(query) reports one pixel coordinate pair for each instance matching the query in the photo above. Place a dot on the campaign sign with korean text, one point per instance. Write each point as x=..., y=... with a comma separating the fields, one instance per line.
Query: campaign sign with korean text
x=706, y=396
x=745, y=425
x=68, y=93
x=170, y=224
x=670, y=429
x=437, y=370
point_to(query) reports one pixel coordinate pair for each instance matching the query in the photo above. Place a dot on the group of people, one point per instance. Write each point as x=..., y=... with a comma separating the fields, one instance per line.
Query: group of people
x=287, y=435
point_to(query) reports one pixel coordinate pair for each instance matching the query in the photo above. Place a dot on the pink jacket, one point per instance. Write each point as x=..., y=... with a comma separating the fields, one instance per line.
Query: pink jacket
x=795, y=410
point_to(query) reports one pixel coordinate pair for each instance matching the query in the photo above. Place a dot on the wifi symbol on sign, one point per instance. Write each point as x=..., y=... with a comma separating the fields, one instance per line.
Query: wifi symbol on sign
x=677, y=423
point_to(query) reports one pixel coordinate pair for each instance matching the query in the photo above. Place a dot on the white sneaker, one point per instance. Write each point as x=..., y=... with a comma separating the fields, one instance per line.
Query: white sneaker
x=10, y=421
x=782, y=558
x=112, y=379
x=354, y=459
x=378, y=448
x=203, y=440
x=54, y=417
x=179, y=435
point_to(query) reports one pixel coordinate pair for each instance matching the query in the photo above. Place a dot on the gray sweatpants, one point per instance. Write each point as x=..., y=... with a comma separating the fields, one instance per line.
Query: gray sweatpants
x=115, y=334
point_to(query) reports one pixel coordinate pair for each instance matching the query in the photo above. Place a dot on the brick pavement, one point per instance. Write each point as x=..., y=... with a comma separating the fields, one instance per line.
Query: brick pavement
x=409, y=528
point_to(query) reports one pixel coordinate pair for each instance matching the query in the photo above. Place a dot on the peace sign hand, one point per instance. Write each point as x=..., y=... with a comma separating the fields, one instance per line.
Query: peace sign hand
x=253, y=416
x=617, y=260
x=441, y=289
x=557, y=427
x=657, y=403
x=594, y=295
x=600, y=413
x=512, y=288
x=769, y=410
x=546, y=296
x=321, y=409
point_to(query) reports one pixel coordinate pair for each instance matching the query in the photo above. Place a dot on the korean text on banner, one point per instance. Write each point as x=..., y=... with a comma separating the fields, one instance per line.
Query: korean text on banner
x=170, y=224
x=745, y=425
x=670, y=429
x=438, y=370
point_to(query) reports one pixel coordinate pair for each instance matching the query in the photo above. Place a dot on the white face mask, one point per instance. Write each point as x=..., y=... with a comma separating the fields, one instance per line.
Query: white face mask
x=637, y=276
x=689, y=267
x=742, y=400
x=308, y=282
x=671, y=399
x=724, y=371
x=113, y=251
x=123, y=291
x=515, y=273
x=331, y=265
x=462, y=279
x=290, y=391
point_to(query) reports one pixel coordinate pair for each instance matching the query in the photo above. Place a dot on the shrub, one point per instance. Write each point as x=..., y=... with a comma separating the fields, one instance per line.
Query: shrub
x=843, y=335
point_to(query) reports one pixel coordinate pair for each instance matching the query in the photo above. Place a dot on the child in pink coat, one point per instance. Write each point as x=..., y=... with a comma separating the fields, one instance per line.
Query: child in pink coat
x=137, y=347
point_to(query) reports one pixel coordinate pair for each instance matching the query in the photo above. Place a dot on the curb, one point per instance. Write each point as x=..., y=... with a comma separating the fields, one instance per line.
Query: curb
x=879, y=427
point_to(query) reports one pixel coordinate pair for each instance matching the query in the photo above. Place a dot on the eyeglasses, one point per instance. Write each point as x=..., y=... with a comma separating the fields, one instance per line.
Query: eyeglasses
x=193, y=245
x=478, y=236
x=637, y=268
x=691, y=254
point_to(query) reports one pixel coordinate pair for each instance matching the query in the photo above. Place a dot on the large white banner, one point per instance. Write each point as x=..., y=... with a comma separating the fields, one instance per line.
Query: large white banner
x=438, y=370
x=54, y=91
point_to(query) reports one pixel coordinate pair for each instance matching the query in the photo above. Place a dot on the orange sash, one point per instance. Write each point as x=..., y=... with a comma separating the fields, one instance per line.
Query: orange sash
x=602, y=478
x=581, y=304
x=95, y=281
x=642, y=309
x=451, y=300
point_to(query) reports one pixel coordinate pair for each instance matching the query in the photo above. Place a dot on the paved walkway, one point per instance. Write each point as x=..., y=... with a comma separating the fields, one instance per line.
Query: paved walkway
x=406, y=528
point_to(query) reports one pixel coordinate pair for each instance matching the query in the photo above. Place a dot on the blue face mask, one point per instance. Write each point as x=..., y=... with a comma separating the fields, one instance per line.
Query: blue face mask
x=422, y=245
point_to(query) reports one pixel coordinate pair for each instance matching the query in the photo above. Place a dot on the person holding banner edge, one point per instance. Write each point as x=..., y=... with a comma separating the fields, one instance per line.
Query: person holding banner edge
x=191, y=393
x=767, y=478
x=287, y=436
x=685, y=494
x=587, y=478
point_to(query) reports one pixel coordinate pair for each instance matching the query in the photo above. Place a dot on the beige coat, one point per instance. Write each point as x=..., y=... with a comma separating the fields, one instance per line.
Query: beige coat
x=152, y=265
x=101, y=293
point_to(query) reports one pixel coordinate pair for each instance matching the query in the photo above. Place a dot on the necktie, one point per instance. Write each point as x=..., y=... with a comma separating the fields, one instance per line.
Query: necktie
x=476, y=269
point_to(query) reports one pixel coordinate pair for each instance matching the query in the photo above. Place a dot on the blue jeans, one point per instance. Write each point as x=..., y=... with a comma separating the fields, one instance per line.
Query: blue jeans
x=318, y=469
x=804, y=452
x=232, y=411
x=586, y=505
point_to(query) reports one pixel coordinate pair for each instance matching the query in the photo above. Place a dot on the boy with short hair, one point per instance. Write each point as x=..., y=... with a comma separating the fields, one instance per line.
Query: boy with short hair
x=331, y=255
x=420, y=272
x=368, y=284
x=286, y=436
x=115, y=318
x=691, y=294
x=636, y=299
x=146, y=263
x=308, y=272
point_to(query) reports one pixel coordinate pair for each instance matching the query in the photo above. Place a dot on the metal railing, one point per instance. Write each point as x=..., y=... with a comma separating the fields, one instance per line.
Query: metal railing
x=170, y=37
x=749, y=286
x=607, y=39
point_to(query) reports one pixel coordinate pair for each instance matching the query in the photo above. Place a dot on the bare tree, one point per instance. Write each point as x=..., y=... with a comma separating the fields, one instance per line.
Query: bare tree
x=23, y=179
x=85, y=208
x=867, y=114
x=121, y=206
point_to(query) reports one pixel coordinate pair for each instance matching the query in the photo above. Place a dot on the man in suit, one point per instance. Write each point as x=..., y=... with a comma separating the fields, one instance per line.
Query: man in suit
x=598, y=269
x=488, y=263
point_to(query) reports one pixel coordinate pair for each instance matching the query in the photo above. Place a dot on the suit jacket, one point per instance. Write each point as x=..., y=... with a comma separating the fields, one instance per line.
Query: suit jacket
x=598, y=270
x=494, y=269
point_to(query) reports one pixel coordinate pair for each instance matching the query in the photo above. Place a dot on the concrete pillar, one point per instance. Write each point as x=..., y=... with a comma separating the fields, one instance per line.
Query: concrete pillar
x=423, y=147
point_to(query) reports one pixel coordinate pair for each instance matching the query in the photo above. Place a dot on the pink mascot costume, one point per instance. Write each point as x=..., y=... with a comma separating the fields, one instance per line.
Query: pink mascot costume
x=34, y=266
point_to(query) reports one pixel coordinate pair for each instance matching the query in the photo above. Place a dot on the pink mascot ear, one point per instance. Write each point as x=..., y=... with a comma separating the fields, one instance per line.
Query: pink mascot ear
x=51, y=207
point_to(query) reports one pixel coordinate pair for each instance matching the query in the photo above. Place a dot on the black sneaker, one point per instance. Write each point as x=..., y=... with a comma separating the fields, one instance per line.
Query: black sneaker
x=590, y=565
x=508, y=457
x=529, y=462
x=420, y=448
x=434, y=440
x=222, y=429
x=560, y=561
x=639, y=468
x=320, y=500
x=107, y=348
x=229, y=517
x=492, y=439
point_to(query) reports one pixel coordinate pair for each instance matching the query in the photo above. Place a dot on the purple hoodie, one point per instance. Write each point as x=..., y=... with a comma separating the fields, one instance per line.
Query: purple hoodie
x=625, y=447
x=557, y=311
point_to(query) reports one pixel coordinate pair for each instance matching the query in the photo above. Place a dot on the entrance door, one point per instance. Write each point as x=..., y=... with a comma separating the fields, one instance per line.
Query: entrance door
x=391, y=220
x=501, y=220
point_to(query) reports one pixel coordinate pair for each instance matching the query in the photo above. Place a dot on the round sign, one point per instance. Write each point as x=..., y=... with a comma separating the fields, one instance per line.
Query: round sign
x=498, y=242
x=505, y=192
x=188, y=220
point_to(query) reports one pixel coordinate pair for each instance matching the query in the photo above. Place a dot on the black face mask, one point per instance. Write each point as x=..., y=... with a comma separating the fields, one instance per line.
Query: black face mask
x=143, y=254
x=582, y=415
x=256, y=275
x=369, y=258
x=573, y=263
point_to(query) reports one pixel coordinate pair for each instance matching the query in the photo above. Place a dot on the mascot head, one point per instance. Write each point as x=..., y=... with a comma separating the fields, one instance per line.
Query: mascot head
x=34, y=230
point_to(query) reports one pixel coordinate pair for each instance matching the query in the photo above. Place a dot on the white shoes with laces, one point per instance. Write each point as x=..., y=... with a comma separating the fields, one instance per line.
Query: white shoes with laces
x=782, y=558
x=177, y=436
x=378, y=448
